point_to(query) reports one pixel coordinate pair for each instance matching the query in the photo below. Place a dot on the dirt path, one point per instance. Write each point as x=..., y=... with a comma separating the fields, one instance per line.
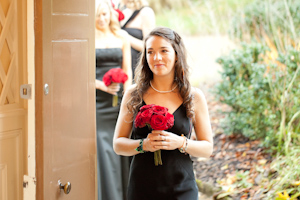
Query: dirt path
x=202, y=52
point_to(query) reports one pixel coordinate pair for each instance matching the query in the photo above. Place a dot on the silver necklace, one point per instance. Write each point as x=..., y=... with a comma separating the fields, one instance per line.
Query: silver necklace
x=163, y=91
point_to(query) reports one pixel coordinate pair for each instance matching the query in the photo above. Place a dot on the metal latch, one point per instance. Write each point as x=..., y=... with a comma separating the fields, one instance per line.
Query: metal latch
x=25, y=91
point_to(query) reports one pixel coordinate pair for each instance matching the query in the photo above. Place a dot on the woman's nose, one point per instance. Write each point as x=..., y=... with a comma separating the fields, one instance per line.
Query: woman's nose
x=157, y=56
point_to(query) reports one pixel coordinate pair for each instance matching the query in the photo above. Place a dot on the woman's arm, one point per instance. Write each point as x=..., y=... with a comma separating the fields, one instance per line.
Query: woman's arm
x=148, y=23
x=111, y=89
x=126, y=65
x=203, y=146
x=122, y=143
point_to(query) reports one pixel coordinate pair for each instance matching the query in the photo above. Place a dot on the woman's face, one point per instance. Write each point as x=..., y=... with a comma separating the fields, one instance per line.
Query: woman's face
x=161, y=56
x=103, y=17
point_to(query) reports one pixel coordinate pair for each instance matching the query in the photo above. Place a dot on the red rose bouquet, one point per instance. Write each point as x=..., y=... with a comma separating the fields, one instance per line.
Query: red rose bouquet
x=116, y=75
x=156, y=118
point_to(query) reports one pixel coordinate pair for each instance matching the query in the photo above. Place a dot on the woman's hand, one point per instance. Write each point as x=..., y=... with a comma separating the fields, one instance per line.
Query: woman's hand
x=113, y=88
x=162, y=140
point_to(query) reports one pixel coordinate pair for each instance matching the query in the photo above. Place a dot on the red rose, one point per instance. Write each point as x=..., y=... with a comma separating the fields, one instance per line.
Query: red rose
x=145, y=107
x=139, y=121
x=157, y=117
x=170, y=120
x=158, y=122
x=107, y=78
x=116, y=75
x=121, y=15
x=146, y=115
x=160, y=110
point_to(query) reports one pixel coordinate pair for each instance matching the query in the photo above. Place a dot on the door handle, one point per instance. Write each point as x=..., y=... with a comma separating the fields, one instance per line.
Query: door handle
x=66, y=188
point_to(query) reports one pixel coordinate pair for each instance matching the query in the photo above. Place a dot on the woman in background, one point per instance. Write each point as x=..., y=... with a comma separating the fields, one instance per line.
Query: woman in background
x=112, y=51
x=138, y=22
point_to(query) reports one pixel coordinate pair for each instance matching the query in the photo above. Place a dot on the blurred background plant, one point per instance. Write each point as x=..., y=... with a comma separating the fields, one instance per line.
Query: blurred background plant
x=194, y=17
x=261, y=85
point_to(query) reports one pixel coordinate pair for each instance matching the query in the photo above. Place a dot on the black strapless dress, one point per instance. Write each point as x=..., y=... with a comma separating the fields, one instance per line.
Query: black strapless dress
x=112, y=171
x=135, y=55
x=137, y=33
x=174, y=179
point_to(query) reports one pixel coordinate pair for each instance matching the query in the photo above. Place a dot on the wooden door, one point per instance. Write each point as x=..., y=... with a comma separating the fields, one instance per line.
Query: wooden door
x=13, y=109
x=65, y=99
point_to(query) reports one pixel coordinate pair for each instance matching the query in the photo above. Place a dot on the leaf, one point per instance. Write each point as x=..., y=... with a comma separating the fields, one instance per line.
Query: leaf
x=297, y=183
x=224, y=167
x=225, y=194
x=295, y=196
x=283, y=195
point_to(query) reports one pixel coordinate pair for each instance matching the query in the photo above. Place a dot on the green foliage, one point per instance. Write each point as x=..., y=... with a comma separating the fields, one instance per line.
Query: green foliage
x=197, y=17
x=278, y=19
x=287, y=175
x=254, y=92
x=243, y=179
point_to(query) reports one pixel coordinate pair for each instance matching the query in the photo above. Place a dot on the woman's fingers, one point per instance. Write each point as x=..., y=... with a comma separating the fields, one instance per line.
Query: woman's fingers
x=113, y=88
x=165, y=140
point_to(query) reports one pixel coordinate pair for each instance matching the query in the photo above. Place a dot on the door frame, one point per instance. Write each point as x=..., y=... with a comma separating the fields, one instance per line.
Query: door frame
x=29, y=192
x=38, y=72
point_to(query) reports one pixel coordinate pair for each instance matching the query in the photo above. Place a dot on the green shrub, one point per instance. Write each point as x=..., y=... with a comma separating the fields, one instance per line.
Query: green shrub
x=254, y=90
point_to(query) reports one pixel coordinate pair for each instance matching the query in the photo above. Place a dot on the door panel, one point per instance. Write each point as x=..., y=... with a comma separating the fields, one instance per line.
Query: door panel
x=13, y=110
x=67, y=112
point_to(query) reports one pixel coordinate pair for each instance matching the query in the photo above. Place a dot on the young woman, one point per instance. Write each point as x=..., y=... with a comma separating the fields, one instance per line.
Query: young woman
x=138, y=22
x=112, y=51
x=162, y=79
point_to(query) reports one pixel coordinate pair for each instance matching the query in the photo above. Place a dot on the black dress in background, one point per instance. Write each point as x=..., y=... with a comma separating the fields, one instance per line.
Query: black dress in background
x=174, y=179
x=137, y=33
x=112, y=171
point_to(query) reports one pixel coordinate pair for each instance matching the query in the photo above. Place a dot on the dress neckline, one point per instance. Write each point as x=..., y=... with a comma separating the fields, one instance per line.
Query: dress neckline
x=170, y=113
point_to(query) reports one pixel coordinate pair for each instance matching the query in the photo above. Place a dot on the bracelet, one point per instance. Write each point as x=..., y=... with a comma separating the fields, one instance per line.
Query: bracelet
x=181, y=148
x=186, y=144
x=183, y=142
x=140, y=147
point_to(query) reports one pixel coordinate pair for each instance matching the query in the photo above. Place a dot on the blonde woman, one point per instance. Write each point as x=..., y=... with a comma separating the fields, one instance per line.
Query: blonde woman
x=112, y=51
x=138, y=22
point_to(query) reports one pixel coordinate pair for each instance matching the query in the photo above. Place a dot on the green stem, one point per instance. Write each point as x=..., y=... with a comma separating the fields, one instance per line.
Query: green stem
x=115, y=100
x=157, y=158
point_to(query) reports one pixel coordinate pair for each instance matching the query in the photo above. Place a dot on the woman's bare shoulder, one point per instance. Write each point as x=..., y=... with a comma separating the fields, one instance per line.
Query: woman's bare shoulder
x=122, y=34
x=129, y=90
x=198, y=95
x=147, y=11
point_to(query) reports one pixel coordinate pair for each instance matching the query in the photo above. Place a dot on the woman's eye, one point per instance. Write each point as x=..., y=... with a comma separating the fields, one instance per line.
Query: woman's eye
x=165, y=51
x=149, y=52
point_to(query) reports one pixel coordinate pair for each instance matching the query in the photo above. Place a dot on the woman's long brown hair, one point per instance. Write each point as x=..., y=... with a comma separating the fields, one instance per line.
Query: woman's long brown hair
x=143, y=74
